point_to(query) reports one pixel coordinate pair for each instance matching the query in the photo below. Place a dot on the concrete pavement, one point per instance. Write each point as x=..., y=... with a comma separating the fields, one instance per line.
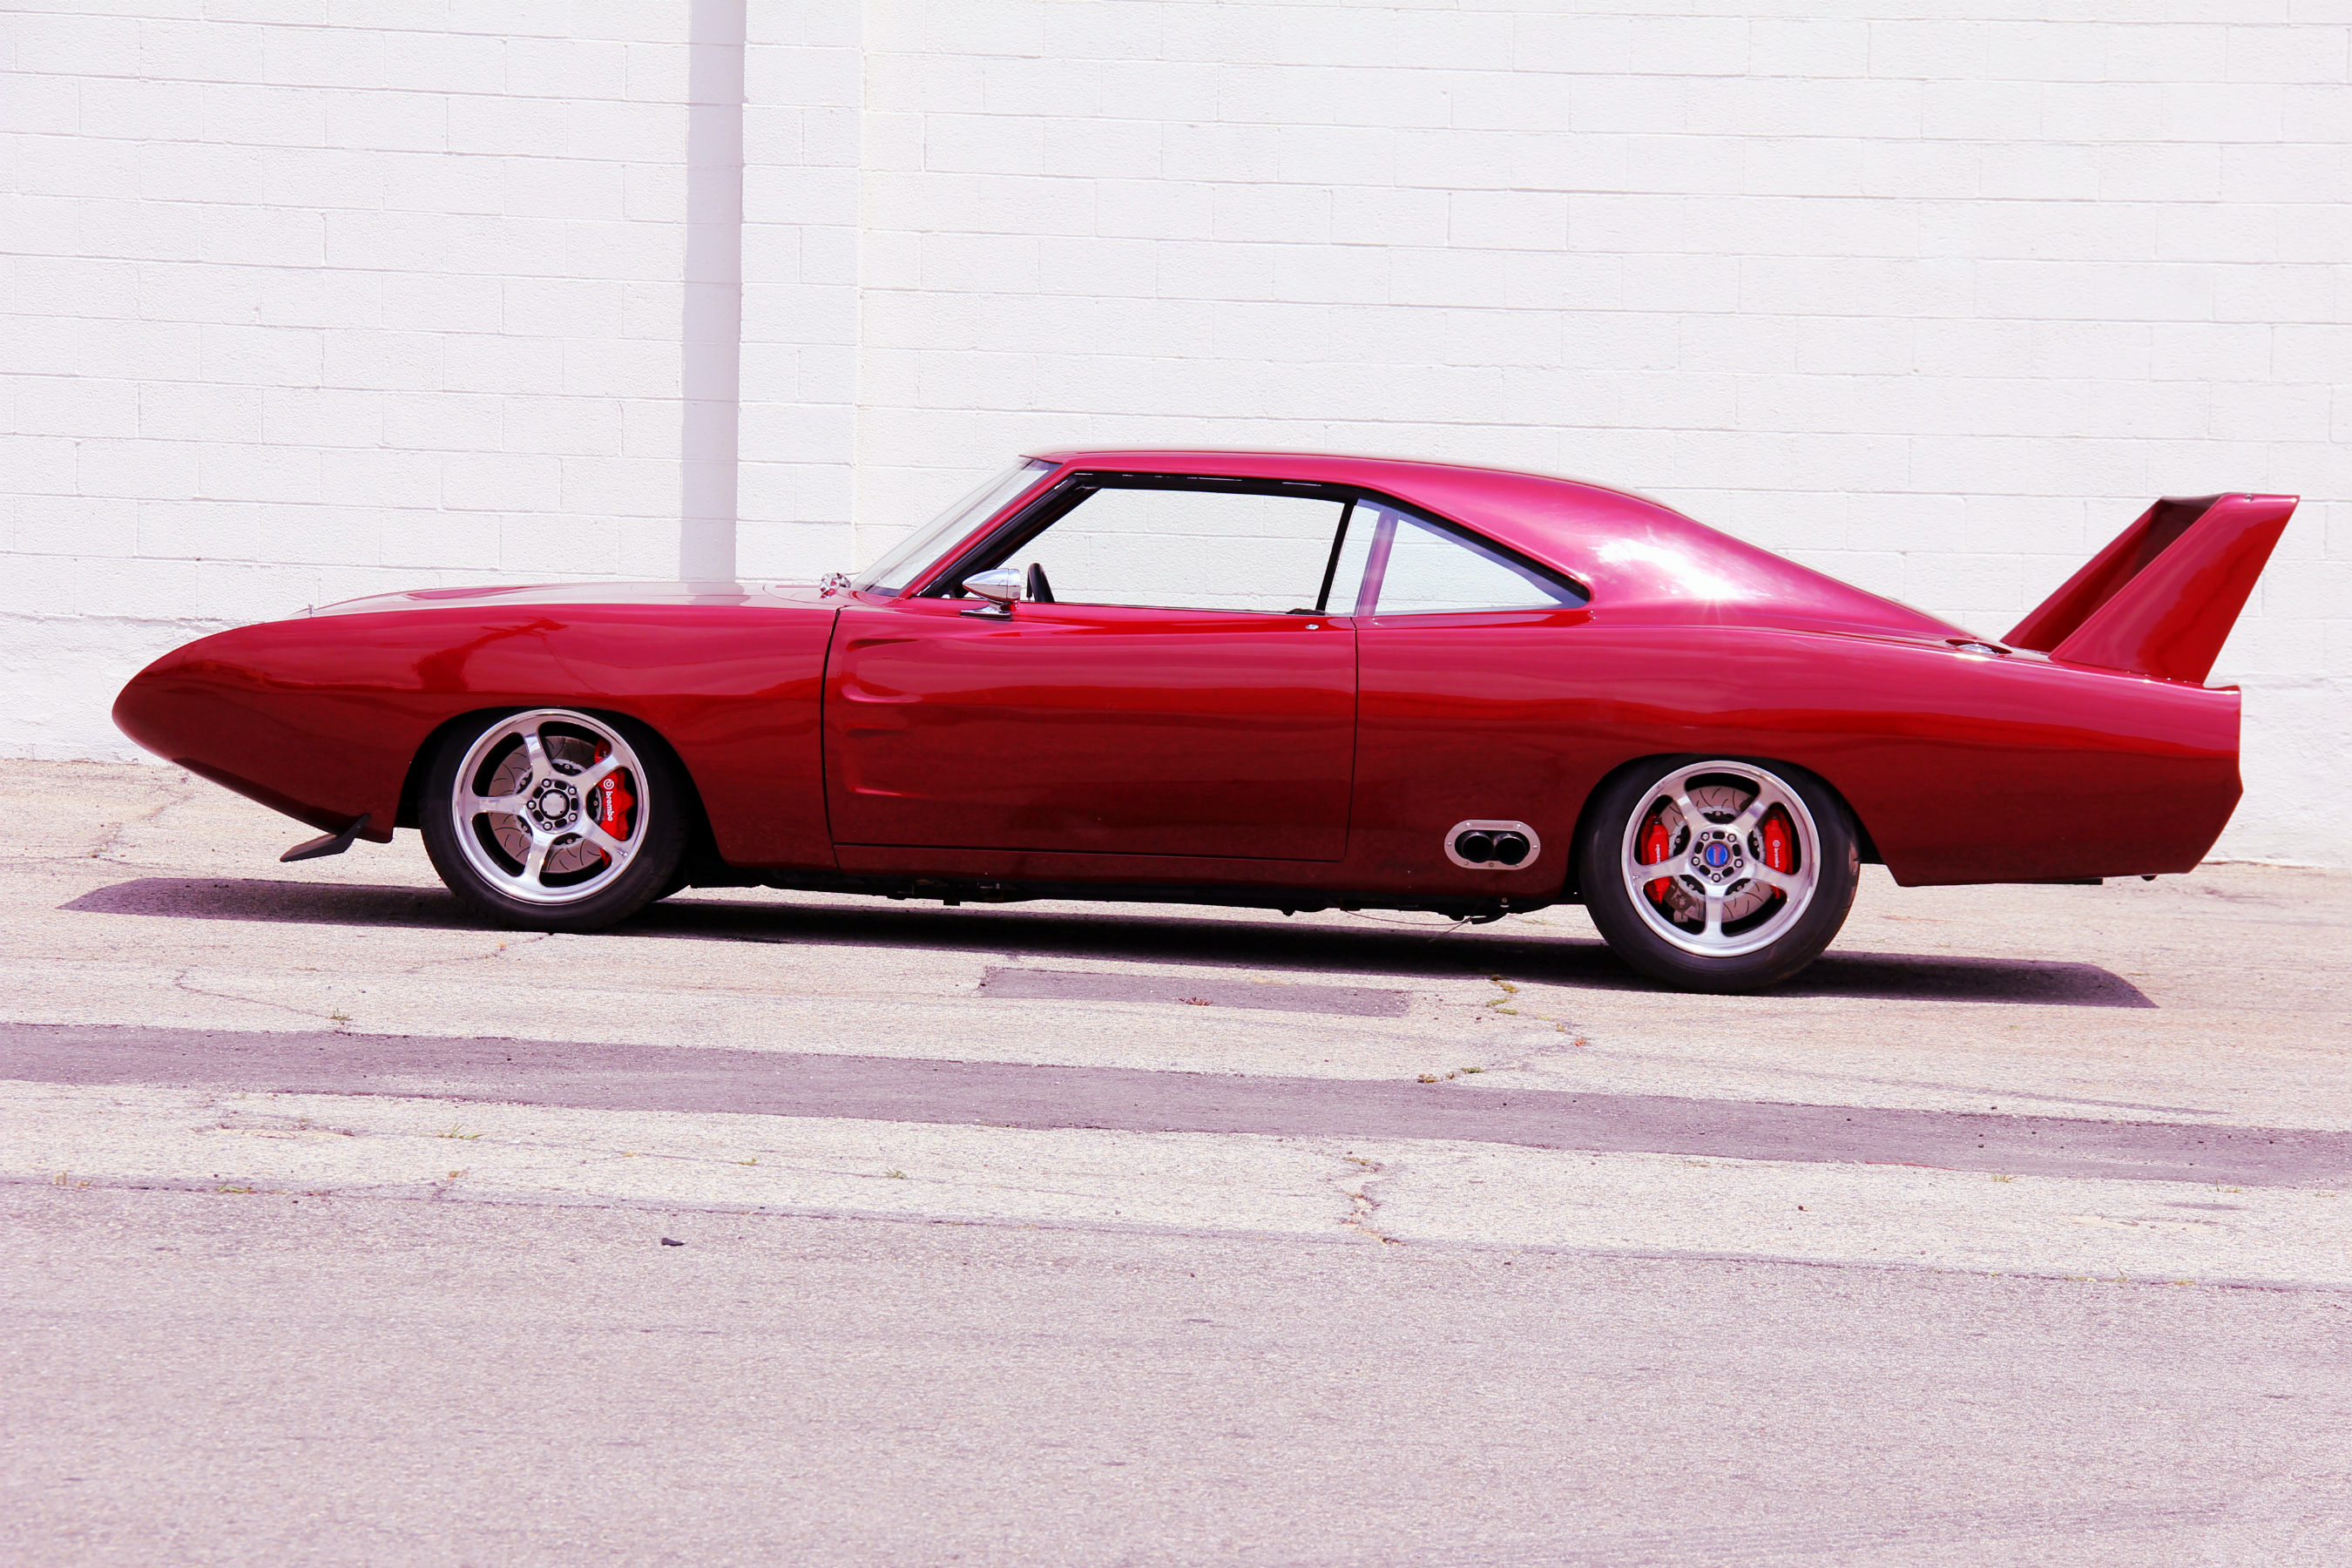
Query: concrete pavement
x=139, y=895
x=272, y=1379
x=2068, y=1117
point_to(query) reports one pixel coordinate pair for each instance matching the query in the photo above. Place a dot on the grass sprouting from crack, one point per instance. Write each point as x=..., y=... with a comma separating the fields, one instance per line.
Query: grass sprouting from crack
x=1510, y=993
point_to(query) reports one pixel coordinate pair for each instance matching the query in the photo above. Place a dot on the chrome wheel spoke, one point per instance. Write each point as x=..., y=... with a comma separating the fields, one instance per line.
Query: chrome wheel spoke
x=1714, y=932
x=1787, y=883
x=1665, y=865
x=1749, y=820
x=534, y=864
x=493, y=805
x=588, y=778
x=596, y=836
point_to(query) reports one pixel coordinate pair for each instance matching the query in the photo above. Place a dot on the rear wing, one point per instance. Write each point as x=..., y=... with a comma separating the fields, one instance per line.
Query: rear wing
x=2160, y=600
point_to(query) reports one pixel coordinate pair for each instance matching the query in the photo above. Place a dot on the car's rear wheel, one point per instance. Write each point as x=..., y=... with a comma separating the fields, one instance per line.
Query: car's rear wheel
x=1718, y=875
x=555, y=820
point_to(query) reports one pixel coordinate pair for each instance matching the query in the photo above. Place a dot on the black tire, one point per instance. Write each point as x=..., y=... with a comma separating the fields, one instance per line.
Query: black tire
x=656, y=841
x=1635, y=927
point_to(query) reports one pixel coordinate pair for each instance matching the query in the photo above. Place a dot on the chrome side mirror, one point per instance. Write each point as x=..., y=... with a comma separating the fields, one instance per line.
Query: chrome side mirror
x=999, y=590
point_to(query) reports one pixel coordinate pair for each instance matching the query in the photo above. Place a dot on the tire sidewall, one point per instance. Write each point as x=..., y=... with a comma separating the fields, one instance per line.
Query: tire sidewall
x=648, y=877
x=1627, y=931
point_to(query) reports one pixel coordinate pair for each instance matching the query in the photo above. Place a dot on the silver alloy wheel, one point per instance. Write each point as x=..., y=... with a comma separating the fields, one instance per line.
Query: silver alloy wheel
x=531, y=800
x=1712, y=892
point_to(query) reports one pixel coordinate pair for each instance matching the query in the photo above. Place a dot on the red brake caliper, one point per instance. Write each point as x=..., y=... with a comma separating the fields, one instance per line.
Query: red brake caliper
x=1656, y=845
x=1780, y=844
x=613, y=800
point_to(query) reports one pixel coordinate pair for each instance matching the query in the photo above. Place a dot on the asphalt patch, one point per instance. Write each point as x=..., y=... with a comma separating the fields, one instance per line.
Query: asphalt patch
x=1010, y=1094
x=1266, y=995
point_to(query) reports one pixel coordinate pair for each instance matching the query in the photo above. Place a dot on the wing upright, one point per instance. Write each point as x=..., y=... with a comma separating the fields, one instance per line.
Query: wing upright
x=2161, y=599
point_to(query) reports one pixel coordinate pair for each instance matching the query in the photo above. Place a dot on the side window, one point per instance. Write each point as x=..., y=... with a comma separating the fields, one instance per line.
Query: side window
x=1185, y=548
x=1415, y=568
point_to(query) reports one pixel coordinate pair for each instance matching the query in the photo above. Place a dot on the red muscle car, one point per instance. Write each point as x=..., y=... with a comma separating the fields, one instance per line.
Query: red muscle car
x=1280, y=681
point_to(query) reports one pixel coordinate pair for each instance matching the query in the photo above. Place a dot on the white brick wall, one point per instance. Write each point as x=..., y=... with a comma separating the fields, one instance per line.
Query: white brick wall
x=307, y=301
x=1934, y=294
x=801, y=138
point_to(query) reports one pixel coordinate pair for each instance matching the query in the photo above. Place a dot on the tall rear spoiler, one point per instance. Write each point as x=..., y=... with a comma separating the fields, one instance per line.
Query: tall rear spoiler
x=2160, y=600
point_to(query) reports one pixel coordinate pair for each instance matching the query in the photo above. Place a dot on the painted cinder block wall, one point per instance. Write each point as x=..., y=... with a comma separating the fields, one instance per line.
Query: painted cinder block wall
x=304, y=299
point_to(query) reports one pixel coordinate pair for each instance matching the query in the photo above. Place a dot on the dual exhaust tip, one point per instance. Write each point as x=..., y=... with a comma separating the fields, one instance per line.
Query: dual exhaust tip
x=1481, y=846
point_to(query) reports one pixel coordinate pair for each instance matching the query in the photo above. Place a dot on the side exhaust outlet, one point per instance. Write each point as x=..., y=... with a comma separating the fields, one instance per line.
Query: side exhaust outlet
x=1478, y=846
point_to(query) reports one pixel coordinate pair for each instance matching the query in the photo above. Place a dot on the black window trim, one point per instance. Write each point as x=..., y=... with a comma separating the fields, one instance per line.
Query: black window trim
x=1331, y=566
x=1068, y=492
x=1516, y=559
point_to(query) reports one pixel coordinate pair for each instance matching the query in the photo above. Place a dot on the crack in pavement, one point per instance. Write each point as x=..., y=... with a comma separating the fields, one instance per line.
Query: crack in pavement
x=1358, y=1219
x=1513, y=992
x=520, y=939
x=115, y=831
x=180, y=981
x=767, y=1159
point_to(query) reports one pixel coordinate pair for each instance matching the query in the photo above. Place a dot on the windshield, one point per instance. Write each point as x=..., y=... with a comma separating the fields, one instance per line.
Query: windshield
x=907, y=558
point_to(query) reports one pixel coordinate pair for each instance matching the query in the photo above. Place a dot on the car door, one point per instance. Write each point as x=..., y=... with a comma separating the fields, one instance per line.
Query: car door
x=1470, y=691
x=1169, y=685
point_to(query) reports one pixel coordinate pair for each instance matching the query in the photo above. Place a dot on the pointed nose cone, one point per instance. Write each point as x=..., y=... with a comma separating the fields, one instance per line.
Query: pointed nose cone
x=214, y=708
x=145, y=710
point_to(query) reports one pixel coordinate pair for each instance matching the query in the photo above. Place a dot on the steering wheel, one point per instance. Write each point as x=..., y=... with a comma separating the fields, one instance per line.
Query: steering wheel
x=1039, y=590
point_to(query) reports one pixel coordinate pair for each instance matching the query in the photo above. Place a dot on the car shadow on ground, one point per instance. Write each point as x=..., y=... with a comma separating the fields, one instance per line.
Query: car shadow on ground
x=1134, y=932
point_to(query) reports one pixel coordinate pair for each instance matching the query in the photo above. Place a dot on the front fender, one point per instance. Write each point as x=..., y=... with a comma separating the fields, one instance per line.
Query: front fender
x=323, y=718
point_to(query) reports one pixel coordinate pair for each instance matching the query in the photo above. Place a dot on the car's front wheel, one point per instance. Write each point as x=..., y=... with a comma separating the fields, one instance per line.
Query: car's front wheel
x=1718, y=875
x=555, y=820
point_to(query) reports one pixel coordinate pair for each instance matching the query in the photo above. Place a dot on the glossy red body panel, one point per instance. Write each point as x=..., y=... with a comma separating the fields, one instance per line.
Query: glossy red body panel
x=1991, y=770
x=322, y=717
x=1078, y=745
x=1092, y=729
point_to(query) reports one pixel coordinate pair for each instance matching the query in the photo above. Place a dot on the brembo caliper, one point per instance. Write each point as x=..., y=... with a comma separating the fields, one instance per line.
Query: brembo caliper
x=612, y=799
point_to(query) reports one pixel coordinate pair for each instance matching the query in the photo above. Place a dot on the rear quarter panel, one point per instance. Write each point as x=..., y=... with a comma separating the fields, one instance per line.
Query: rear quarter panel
x=1961, y=768
x=320, y=718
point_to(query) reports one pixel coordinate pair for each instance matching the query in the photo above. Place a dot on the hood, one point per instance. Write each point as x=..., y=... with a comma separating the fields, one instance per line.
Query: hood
x=704, y=591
